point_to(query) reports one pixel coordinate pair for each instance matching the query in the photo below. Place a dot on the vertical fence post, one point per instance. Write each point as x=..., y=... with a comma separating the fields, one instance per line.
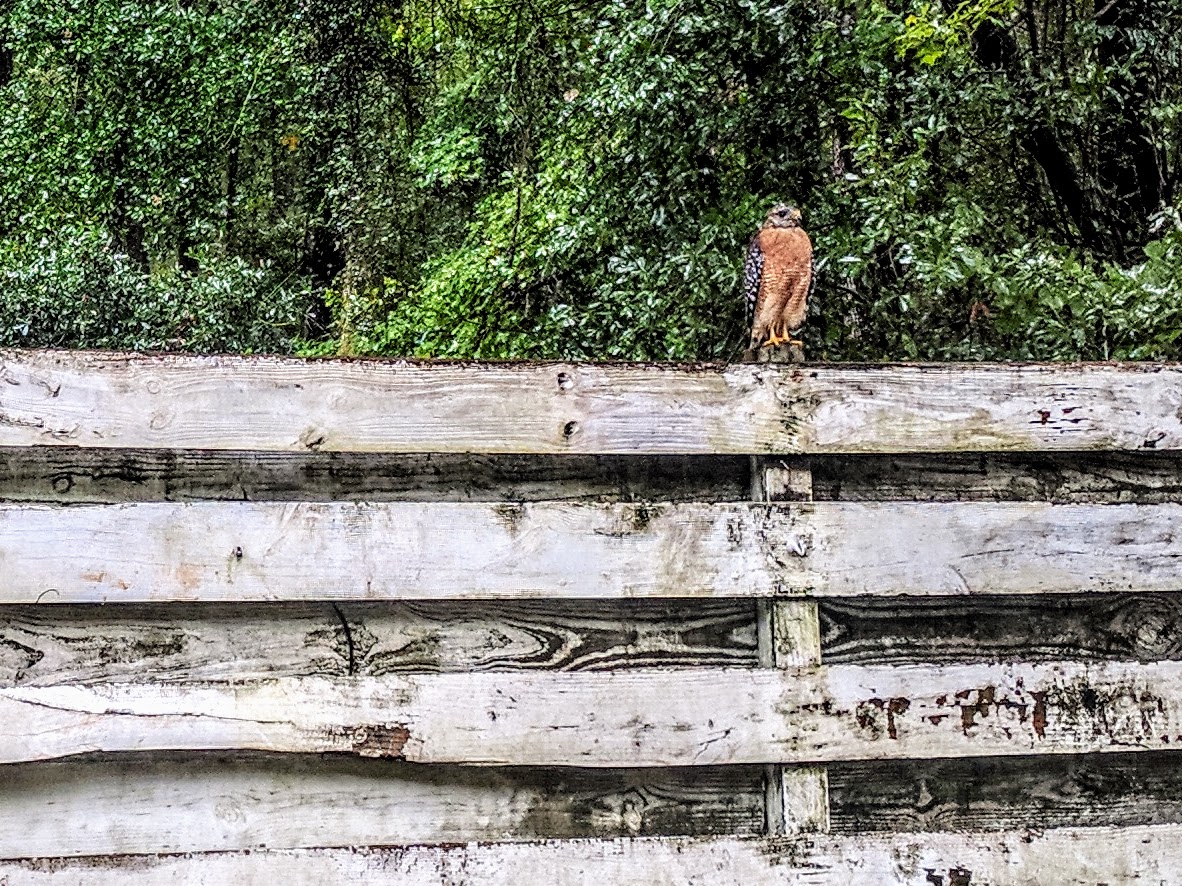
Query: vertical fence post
x=789, y=636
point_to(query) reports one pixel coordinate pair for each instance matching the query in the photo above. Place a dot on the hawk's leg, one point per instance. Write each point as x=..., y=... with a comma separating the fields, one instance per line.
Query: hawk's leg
x=775, y=338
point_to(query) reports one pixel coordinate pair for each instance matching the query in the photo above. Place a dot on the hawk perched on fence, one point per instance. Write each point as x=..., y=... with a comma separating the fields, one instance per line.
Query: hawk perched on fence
x=778, y=277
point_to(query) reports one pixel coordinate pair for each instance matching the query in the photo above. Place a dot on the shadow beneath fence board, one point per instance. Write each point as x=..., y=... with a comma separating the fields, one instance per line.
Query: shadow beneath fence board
x=1063, y=477
x=1012, y=793
x=67, y=475
x=101, y=476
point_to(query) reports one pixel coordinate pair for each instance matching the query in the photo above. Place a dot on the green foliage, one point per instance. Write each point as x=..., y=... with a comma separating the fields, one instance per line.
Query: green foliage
x=982, y=179
x=70, y=288
x=932, y=34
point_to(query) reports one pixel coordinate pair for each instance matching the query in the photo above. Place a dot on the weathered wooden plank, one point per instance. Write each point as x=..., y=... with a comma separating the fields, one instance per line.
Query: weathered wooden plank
x=143, y=803
x=1063, y=478
x=656, y=717
x=1142, y=627
x=790, y=637
x=80, y=476
x=184, y=642
x=1068, y=857
x=1010, y=793
x=402, y=550
x=100, y=476
x=281, y=404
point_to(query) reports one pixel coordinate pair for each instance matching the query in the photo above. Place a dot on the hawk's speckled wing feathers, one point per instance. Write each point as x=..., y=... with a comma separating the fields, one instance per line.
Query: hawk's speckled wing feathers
x=752, y=273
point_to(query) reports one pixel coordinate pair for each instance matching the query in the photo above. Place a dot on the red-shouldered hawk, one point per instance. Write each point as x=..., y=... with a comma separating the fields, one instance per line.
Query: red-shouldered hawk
x=778, y=277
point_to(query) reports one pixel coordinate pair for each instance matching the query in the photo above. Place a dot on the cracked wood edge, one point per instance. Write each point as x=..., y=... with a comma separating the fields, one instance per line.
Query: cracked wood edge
x=657, y=717
x=106, y=400
x=239, y=551
x=1069, y=856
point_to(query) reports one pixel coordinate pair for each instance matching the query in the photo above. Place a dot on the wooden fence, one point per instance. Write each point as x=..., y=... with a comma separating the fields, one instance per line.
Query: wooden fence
x=276, y=621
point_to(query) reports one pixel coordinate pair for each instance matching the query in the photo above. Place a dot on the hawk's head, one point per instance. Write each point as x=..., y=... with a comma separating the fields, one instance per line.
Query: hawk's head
x=783, y=216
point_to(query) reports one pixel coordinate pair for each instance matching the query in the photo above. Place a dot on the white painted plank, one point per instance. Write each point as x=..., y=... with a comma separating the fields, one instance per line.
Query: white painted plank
x=1148, y=855
x=237, y=551
x=655, y=717
x=142, y=804
x=282, y=404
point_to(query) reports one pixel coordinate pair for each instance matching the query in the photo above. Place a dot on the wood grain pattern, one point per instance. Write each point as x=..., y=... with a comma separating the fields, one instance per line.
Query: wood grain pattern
x=177, y=642
x=1145, y=477
x=79, y=476
x=207, y=551
x=102, y=476
x=655, y=717
x=1066, y=857
x=1099, y=627
x=272, y=404
x=1013, y=793
x=148, y=803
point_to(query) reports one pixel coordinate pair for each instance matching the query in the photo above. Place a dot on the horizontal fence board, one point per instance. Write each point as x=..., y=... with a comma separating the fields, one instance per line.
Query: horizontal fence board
x=47, y=645
x=882, y=630
x=147, y=803
x=103, y=476
x=1067, y=857
x=1006, y=793
x=657, y=717
x=1144, y=477
x=282, y=404
x=212, y=642
x=207, y=551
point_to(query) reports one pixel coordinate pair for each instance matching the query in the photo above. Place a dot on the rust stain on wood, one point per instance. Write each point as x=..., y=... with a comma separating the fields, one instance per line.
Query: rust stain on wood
x=868, y=720
x=1039, y=716
x=381, y=740
x=188, y=576
x=980, y=708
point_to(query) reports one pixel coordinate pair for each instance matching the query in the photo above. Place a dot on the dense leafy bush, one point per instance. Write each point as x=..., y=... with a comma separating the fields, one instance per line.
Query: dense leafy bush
x=983, y=179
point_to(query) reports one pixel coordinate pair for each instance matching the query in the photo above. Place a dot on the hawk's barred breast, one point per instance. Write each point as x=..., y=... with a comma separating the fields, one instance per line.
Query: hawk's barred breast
x=786, y=274
x=787, y=256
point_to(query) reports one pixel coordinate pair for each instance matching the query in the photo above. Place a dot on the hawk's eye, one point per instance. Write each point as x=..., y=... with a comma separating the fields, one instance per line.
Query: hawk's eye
x=781, y=212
